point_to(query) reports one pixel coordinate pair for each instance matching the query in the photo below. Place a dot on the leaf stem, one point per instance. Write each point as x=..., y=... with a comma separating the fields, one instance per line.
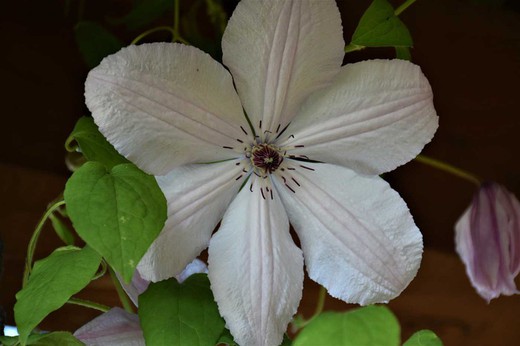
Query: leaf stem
x=443, y=166
x=300, y=322
x=403, y=7
x=151, y=31
x=88, y=304
x=120, y=292
x=176, y=19
x=34, y=240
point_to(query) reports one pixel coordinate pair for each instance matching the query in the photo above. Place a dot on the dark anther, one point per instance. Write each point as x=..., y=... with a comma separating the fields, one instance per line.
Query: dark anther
x=291, y=136
x=244, y=131
x=310, y=169
x=298, y=146
x=278, y=128
x=291, y=168
x=251, y=187
x=240, y=176
x=290, y=188
x=241, y=141
x=262, y=191
x=227, y=147
x=297, y=183
x=271, y=192
x=260, y=124
x=237, y=164
x=266, y=157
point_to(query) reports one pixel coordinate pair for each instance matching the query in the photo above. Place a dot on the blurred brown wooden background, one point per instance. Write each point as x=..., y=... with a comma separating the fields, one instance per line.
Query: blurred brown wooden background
x=471, y=55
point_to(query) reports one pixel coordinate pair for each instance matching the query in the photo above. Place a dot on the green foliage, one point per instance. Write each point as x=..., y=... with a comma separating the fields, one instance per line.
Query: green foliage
x=190, y=25
x=180, y=314
x=62, y=230
x=143, y=13
x=423, y=338
x=93, y=144
x=52, y=282
x=403, y=53
x=47, y=339
x=118, y=212
x=370, y=326
x=95, y=42
x=380, y=27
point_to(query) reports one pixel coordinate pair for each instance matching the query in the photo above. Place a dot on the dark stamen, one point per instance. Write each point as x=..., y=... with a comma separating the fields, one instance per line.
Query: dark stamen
x=262, y=191
x=241, y=141
x=260, y=124
x=240, y=176
x=291, y=168
x=299, y=146
x=244, y=131
x=297, y=183
x=278, y=128
x=251, y=187
x=227, y=147
x=271, y=192
x=237, y=164
x=290, y=188
x=310, y=169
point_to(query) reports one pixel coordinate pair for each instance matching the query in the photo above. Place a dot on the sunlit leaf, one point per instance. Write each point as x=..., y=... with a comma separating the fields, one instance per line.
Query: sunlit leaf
x=423, y=338
x=52, y=282
x=380, y=27
x=180, y=314
x=372, y=325
x=118, y=212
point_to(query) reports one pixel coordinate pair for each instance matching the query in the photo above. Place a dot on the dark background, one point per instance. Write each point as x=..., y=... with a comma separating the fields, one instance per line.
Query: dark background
x=470, y=52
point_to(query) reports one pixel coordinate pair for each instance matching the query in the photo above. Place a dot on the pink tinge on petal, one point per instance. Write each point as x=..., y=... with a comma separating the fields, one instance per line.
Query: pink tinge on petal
x=137, y=286
x=487, y=240
x=195, y=267
x=115, y=327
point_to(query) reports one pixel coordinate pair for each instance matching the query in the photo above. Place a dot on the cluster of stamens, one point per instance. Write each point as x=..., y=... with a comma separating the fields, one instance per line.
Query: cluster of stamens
x=264, y=158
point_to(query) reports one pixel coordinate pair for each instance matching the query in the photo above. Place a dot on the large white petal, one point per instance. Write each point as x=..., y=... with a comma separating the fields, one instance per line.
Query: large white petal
x=198, y=196
x=376, y=116
x=279, y=52
x=358, y=237
x=115, y=328
x=163, y=105
x=256, y=271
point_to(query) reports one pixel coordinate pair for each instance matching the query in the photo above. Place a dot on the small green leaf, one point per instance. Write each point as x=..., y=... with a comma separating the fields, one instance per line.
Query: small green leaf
x=423, y=338
x=94, y=145
x=180, y=314
x=118, y=212
x=371, y=326
x=95, y=42
x=380, y=27
x=62, y=230
x=143, y=13
x=8, y=340
x=52, y=282
x=403, y=53
x=54, y=339
x=226, y=338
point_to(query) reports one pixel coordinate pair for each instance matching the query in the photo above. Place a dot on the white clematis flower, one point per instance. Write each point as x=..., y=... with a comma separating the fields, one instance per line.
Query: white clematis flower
x=320, y=135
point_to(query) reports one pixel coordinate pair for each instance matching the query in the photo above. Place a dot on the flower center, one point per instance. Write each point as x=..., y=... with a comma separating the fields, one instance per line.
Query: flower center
x=266, y=157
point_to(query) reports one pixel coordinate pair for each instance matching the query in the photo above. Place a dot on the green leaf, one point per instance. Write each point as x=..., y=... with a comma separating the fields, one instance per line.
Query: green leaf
x=54, y=339
x=52, y=282
x=94, y=145
x=180, y=314
x=423, y=338
x=118, y=212
x=143, y=13
x=370, y=326
x=403, y=53
x=226, y=338
x=95, y=42
x=8, y=340
x=380, y=27
x=61, y=229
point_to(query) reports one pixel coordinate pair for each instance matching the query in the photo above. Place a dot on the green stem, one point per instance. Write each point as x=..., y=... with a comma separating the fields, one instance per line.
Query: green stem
x=88, y=304
x=403, y=7
x=322, y=294
x=102, y=272
x=449, y=169
x=151, y=31
x=34, y=240
x=121, y=292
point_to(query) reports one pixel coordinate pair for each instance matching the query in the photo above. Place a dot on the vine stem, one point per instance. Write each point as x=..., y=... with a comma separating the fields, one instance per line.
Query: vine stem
x=322, y=294
x=120, y=291
x=403, y=7
x=34, y=240
x=89, y=304
x=443, y=166
x=151, y=31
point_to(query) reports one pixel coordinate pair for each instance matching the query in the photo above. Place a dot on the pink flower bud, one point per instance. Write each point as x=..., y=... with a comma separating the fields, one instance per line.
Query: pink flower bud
x=488, y=241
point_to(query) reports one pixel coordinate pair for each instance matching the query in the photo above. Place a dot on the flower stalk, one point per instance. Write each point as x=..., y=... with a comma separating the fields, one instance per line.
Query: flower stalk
x=443, y=166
